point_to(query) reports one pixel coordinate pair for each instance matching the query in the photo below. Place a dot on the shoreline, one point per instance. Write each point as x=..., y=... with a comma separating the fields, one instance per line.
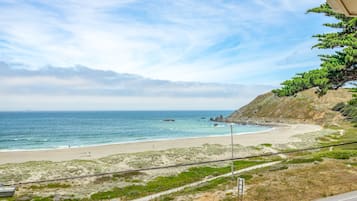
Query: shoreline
x=276, y=135
x=133, y=142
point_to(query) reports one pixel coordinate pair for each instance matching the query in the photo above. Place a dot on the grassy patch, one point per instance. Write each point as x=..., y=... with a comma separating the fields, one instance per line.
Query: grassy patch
x=100, y=180
x=246, y=176
x=352, y=164
x=303, y=160
x=338, y=154
x=127, y=177
x=349, y=135
x=52, y=199
x=303, y=182
x=211, y=185
x=166, y=198
x=168, y=182
x=318, y=156
x=50, y=185
x=267, y=145
x=49, y=198
x=278, y=168
x=37, y=198
x=202, y=188
x=207, y=186
x=42, y=198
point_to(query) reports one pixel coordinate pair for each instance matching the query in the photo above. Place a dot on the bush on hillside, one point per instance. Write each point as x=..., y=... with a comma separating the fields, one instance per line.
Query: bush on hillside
x=339, y=107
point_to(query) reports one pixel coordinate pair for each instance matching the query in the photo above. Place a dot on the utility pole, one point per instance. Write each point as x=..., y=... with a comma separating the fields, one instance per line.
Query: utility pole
x=231, y=125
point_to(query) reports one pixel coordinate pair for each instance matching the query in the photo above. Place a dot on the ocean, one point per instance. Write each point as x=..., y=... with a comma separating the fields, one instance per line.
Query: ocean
x=48, y=130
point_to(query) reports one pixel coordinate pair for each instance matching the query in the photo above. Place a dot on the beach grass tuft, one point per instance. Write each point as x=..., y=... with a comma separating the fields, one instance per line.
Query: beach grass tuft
x=267, y=145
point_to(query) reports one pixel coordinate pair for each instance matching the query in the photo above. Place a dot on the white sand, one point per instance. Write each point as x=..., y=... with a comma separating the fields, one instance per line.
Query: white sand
x=277, y=135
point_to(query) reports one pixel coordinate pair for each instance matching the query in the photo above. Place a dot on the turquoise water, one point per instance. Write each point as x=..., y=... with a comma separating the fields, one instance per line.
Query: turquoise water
x=43, y=130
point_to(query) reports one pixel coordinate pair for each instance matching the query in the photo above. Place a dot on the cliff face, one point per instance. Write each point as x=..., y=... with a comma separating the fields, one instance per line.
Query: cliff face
x=304, y=107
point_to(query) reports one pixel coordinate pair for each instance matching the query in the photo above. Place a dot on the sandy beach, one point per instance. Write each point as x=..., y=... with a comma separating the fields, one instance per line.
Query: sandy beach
x=277, y=135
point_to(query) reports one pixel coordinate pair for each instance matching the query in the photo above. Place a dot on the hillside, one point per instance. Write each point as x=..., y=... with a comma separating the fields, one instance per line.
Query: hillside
x=304, y=107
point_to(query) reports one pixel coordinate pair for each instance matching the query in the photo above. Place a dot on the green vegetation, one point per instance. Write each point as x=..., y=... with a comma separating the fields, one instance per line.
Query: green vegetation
x=51, y=198
x=349, y=109
x=211, y=185
x=267, y=145
x=43, y=198
x=127, y=177
x=340, y=152
x=352, y=164
x=48, y=198
x=246, y=176
x=278, y=168
x=168, y=182
x=336, y=69
x=303, y=160
x=50, y=185
x=337, y=154
x=206, y=186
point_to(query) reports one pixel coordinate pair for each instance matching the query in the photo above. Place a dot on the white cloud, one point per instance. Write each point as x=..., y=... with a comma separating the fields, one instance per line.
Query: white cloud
x=162, y=40
x=95, y=103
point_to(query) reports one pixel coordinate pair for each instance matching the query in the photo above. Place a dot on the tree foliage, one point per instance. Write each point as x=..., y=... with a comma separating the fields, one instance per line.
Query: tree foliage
x=349, y=109
x=336, y=69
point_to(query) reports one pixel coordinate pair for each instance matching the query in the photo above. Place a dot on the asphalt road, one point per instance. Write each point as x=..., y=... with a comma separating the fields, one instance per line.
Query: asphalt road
x=351, y=196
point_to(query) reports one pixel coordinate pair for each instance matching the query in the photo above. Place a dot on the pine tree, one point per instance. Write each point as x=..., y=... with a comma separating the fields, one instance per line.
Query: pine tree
x=336, y=69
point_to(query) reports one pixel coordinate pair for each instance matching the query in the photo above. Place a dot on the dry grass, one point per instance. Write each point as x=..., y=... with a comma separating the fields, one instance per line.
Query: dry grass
x=298, y=182
x=304, y=182
x=305, y=107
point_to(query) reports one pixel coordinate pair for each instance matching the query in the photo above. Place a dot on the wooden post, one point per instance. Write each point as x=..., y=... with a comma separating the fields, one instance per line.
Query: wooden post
x=240, y=185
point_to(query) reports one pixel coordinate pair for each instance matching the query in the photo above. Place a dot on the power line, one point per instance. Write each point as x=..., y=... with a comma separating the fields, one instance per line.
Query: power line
x=178, y=165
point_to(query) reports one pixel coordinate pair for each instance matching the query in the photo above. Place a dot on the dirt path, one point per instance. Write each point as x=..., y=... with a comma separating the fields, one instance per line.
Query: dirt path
x=157, y=195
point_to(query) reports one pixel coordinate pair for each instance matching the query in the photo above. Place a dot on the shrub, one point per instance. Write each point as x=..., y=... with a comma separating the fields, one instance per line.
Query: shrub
x=304, y=160
x=339, y=154
x=339, y=106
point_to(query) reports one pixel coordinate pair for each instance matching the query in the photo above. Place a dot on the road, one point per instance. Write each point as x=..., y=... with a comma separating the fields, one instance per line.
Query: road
x=351, y=196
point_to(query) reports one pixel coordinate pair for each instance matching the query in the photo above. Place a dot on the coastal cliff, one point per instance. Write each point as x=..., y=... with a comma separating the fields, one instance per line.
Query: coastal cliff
x=304, y=107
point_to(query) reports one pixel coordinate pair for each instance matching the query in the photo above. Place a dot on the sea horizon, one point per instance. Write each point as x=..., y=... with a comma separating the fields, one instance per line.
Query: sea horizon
x=142, y=110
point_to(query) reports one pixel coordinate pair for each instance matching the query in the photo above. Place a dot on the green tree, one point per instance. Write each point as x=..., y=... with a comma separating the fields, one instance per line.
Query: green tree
x=336, y=69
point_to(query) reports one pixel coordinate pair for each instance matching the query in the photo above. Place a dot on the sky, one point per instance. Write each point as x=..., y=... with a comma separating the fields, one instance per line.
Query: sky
x=151, y=55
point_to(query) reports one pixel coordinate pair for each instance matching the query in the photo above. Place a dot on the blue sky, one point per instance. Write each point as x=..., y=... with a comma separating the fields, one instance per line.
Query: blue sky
x=243, y=44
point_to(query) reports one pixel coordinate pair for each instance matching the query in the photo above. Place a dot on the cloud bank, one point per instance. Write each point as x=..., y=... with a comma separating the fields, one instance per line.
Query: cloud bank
x=82, y=88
